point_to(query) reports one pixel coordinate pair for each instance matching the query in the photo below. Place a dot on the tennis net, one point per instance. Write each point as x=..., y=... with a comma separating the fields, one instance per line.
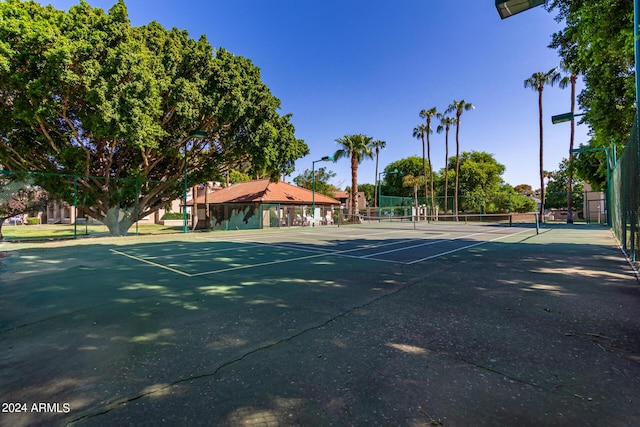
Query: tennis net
x=390, y=221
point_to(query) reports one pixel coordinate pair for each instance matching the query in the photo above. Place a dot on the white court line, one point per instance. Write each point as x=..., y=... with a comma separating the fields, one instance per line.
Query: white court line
x=426, y=244
x=318, y=255
x=321, y=254
x=464, y=247
x=331, y=233
x=405, y=248
x=262, y=264
x=155, y=264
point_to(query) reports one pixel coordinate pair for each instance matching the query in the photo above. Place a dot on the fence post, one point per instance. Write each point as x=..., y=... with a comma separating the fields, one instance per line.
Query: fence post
x=137, y=206
x=75, y=206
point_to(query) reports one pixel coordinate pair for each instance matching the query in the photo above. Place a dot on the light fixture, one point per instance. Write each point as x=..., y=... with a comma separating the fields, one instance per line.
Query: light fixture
x=507, y=8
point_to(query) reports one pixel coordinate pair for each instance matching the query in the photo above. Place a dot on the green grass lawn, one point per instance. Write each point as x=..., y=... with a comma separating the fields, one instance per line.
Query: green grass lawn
x=62, y=231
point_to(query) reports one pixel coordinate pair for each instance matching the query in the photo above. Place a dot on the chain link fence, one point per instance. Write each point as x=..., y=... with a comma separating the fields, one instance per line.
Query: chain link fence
x=623, y=194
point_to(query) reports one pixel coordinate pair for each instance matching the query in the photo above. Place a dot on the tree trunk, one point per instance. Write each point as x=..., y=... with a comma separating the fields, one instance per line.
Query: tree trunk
x=118, y=221
x=415, y=197
x=375, y=195
x=455, y=200
x=424, y=167
x=446, y=170
x=541, y=219
x=430, y=171
x=194, y=209
x=207, y=214
x=573, y=133
x=354, y=185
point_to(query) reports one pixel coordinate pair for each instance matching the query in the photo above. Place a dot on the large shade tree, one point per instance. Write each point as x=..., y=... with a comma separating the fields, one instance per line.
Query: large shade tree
x=112, y=107
x=395, y=172
x=357, y=148
x=597, y=43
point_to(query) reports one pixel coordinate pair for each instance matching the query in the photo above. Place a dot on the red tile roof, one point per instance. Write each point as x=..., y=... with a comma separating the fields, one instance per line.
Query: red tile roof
x=265, y=191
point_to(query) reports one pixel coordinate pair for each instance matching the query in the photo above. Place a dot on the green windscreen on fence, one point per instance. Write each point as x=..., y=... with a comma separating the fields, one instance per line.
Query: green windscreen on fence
x=395, y=206
x=624, y=195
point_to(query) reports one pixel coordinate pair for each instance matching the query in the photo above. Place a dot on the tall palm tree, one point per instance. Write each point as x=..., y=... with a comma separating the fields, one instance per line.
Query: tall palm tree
x=564, y=82
x=418, y=132
x=357, y=147
x=459, y=107
x=537, y=81
x=377, y=145
x=445, y=125
x=428, y=115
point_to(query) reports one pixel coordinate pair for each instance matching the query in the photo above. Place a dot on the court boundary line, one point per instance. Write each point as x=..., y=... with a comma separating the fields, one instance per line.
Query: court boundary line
x=464, y=247
x=319, y=254
x=155, y=264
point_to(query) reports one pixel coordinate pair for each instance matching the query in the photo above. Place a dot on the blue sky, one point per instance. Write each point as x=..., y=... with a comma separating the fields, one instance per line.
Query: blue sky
x=354, y=66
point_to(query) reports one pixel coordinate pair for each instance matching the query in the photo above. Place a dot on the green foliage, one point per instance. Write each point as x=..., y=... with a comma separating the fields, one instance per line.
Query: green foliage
x=237, y=176
x=357, y=148
x=322, y=184
x=392, y=183
x=522, y=204
x=479, y=172
x=597, y=43
x=369, y=191
x=83, y=92
x=558, y=187
x=174, y=216
x=524, y=189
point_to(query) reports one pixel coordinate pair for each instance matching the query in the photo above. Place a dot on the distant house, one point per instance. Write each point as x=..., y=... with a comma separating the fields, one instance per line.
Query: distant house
x=343, y=197
x=262, y=204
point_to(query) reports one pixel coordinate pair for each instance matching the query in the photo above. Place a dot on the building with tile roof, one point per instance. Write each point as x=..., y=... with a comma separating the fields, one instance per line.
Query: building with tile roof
x=262, y=204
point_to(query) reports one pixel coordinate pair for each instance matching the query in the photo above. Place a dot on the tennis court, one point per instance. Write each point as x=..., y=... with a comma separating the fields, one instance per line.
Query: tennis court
x=382, y=323
x=384, y=242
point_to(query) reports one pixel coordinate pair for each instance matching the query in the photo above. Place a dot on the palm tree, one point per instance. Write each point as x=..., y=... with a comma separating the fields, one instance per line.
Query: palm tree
x=357, y=147
x=445, y=125
x=415, y=182
x=428, y=115
x=418, y=132
x=570, y=80
x=459, y=107
x=377, y=145
x=537, y=81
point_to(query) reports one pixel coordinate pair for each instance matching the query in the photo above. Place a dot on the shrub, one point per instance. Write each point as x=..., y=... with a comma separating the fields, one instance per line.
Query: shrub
x=174, y=215
x=33, y=221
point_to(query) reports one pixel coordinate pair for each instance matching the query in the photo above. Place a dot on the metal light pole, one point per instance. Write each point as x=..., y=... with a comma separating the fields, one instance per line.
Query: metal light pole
x=561, y=118
x=313, y=185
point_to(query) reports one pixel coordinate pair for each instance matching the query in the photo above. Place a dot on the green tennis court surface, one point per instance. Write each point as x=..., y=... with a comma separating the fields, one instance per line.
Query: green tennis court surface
x=377, y=324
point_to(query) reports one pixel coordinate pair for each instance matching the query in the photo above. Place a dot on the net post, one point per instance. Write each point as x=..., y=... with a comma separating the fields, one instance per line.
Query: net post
x=537, y=223
x=510, y=219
